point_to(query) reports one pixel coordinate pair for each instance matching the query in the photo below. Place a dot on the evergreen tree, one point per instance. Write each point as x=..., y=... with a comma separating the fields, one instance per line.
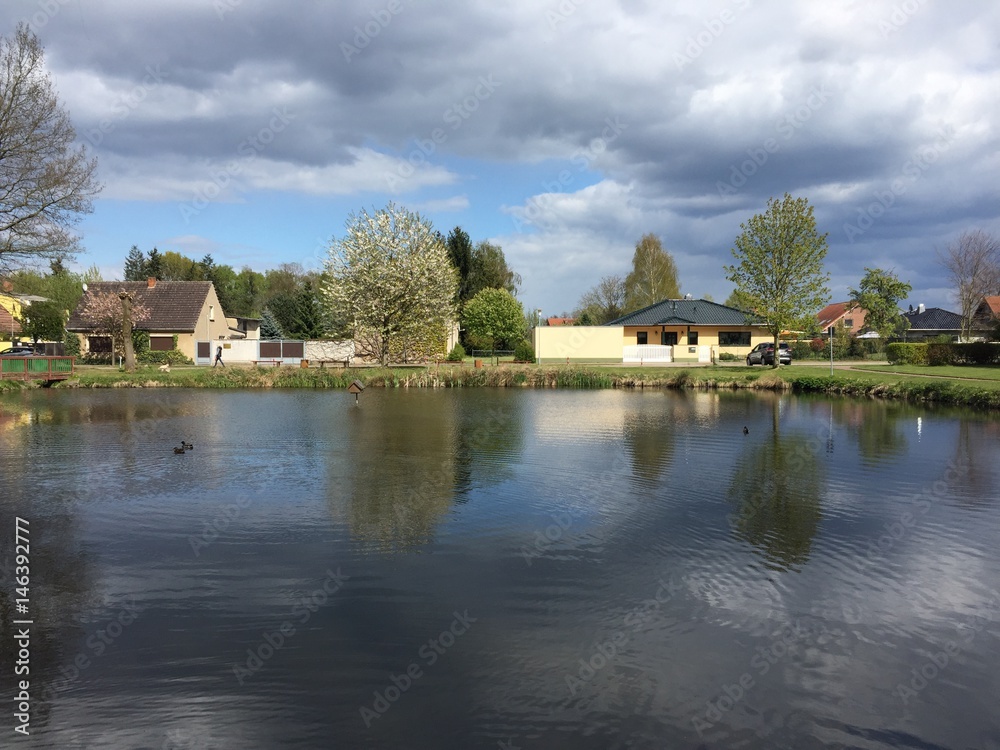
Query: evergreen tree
x=135, y=265
x=154, y=265
x=460, y=252
x=269, y=328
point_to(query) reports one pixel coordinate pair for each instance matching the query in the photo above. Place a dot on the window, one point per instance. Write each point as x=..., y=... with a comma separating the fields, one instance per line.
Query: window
x=99, y=344
x=641, y=337
x=161, y=343
x=734, y=338
x=668, y=338
x=848, y=322
x=692, y=338
x=211, y=312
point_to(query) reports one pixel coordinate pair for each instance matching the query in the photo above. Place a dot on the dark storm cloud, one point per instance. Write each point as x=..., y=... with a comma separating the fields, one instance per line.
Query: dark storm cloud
x=720, y=106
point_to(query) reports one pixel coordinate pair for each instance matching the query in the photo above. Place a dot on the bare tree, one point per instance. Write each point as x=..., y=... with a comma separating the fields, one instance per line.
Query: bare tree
x=653, y=277
x=604, y=302
x=46, y=182
x=973, y=262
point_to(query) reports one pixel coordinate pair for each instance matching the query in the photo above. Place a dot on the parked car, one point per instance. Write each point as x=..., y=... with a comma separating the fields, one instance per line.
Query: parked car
x=18, y=351
x=763, y=354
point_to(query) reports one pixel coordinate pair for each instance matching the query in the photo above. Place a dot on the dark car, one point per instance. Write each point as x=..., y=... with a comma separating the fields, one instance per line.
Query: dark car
x=763, y=354
x=18, y=351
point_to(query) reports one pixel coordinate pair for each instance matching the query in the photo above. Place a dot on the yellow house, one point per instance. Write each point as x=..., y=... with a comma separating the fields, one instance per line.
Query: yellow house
x=189, y=310
x=10, y=311
x=673, y=330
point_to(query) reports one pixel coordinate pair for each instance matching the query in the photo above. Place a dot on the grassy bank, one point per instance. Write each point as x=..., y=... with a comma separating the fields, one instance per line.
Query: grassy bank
x=981, y=392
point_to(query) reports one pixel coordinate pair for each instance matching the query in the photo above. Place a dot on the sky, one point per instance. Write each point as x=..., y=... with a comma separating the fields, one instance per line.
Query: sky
x=562, y=130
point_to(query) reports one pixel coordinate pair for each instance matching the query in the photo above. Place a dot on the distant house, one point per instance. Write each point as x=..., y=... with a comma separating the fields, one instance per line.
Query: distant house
x=672, y=330
x=189, y=310
x=930, y=322
x=843, y=314
x=988, y=313
x=560, y=321
x=10, y=310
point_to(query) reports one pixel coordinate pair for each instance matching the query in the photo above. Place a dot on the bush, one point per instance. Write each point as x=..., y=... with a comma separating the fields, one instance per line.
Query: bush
x=941, y=354
x=457, y=353
x=977, y=353
x=71, y=344
x=173, y=357
x=804, y=350
x=524, y=352
x=818, y=345
x=727, y=357
x=906, y=354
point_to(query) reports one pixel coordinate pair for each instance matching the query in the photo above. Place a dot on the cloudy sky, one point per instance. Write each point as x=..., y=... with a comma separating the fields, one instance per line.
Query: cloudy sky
x=561, y=129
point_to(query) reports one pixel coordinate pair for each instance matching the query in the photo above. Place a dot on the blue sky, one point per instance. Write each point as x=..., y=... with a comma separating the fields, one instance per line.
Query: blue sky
x=561, y=130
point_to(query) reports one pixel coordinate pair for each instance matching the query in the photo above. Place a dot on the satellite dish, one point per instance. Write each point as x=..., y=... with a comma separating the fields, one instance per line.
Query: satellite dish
x=84, y=286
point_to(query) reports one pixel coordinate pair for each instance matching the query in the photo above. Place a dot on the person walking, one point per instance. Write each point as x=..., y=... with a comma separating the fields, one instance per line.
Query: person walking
x=218, y=358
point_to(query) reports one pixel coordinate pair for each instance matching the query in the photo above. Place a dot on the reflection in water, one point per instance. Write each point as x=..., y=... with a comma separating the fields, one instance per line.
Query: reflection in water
x=876, y=426
x=410, y=456
x=648, y=596
x=777, y=489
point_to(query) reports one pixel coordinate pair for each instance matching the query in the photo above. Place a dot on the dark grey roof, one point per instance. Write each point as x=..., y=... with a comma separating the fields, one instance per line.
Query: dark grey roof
x=695, y=312
x=173, y=305
x=934, y=319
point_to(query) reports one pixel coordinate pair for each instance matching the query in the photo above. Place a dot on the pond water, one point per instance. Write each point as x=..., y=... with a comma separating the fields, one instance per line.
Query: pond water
x=501, y=569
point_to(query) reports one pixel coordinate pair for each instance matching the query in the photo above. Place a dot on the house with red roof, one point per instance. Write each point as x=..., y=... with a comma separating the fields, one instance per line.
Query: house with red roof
x=844, y=314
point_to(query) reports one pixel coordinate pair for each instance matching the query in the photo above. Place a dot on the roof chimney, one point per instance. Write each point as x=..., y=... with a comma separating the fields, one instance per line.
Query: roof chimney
x=150, y=282
x=921, y=308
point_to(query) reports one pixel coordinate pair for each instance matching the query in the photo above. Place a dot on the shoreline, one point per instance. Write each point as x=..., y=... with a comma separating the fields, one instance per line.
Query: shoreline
x=914, y=388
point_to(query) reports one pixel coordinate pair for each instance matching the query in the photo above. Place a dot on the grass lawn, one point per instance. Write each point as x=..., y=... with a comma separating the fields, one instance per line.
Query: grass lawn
x=963, y=372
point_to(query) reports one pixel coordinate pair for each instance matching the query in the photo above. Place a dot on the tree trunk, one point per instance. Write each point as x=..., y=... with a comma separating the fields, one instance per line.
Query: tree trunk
x=126, y=299
x=777, y=352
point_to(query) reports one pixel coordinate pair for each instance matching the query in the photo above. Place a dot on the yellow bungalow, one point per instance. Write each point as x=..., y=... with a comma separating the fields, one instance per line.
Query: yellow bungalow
x=672, y=330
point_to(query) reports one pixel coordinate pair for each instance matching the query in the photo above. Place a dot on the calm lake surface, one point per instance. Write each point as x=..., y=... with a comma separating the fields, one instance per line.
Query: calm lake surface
x=501, y=569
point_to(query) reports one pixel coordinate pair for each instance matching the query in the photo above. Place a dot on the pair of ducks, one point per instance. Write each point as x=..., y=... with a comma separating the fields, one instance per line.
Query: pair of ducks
x=184, y=447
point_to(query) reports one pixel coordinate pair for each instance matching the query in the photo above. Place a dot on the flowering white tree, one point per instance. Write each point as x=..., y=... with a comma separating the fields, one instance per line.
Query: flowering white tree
x=391, y=280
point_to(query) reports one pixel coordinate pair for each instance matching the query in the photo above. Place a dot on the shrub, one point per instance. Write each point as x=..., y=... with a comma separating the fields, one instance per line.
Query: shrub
x=524, y=352
x=803, y=350
x=977, y=353
x=727, y=357
x=457, y=353
x=941, y=354
x=818, y=345
x=172, y=357
x=906, y=354
x=71, y=344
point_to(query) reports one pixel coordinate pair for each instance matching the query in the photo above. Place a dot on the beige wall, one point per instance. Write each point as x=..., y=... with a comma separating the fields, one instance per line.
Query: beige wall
x=707, y=336
x=578, y=344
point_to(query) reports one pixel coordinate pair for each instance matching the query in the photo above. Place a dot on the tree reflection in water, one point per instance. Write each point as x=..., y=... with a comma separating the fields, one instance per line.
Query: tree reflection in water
x=777, y=492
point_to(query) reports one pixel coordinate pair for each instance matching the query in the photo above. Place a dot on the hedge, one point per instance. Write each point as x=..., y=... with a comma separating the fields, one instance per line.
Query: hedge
x=906, y=354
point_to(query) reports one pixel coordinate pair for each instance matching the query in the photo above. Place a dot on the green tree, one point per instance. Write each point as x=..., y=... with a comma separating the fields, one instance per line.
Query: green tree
x=779, y=265
x=739, y=301
x=460, y=252
x=46, y=181
x=653, y=276
x=390, y=277
x=269, y=327
x=603, y=303
x=64, y=288
x=43, y=321
x=493, y=316
x=489, y=270
x=136, y=265
x=879, y=295
x=154, y=264
x=177, y=267
x=248, y=292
